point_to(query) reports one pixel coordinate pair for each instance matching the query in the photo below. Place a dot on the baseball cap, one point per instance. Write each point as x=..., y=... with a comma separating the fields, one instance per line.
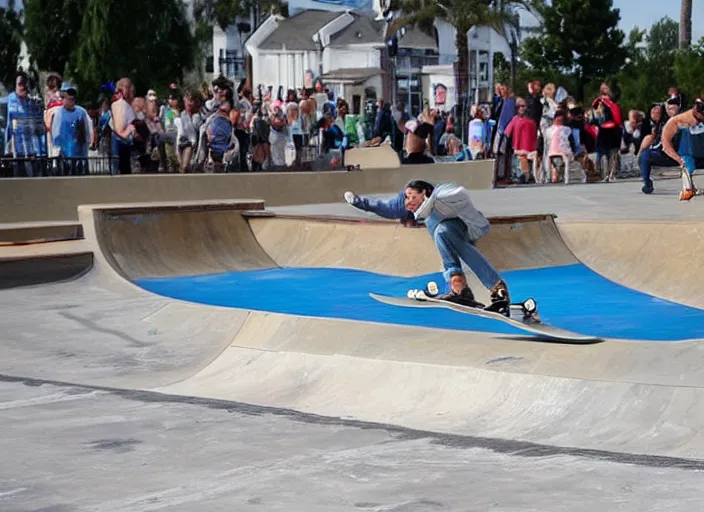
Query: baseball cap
x=69, y=88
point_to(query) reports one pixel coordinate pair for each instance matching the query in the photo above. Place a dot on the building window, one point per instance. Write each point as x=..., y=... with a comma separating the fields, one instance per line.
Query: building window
x=231, y=65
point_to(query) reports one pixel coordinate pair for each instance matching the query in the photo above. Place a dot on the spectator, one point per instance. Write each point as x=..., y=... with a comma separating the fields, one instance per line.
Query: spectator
x=25, y=131
x=560, y=145
x=673, y=106
x=477, y=134
x=606, y=114
x=140, y=155
x=187, y=128
x=332, y=134
x=633, y=131
x=168, y=120
x=278, y=135
x=121, y=124
x=450, y=143
x=523, y=132
x=72, y=130
x=652, y=153
x=657, y=117
x=438, y=134
x=506, y=110
x=104, y=134
x=535, y=102
x=155, y=144
x=220, y=137
x=260, y=129
x=417, y=133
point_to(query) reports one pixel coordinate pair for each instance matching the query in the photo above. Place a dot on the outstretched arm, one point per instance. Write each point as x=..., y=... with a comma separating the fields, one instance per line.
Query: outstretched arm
x=389, y=209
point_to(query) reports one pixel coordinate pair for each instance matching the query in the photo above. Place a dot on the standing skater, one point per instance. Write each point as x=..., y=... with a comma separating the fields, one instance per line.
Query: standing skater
x=455, y=225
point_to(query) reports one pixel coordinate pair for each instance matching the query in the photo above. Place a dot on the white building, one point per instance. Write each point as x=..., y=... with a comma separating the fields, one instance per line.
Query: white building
x=483, y=43
x=346, y=49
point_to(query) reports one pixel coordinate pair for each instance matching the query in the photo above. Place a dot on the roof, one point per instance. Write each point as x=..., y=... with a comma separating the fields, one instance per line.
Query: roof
x=296, y=32
x=366, y=29
x=354, y=75
x=362, y=30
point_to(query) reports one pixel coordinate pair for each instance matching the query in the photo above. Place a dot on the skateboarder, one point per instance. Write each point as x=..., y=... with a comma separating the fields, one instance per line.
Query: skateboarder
x=455, y=225
x=690, y=153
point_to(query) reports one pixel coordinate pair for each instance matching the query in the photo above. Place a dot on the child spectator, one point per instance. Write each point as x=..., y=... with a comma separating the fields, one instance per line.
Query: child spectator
x=524, y=133
x=477, y=134
x=560, y=145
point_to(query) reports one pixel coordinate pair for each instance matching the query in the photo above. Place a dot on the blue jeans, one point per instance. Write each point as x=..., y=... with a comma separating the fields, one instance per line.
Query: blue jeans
x=122, y=156
x=452, y=240
x=650, y=158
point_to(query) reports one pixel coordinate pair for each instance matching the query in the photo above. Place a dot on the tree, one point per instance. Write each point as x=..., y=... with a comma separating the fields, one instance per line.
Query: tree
x=158, y=47
x=463, y=15
x=685, y=24
x=10, y=44
x=689, y=68
x=651, y=67
x=51, y=31
x=226, y=12
x=579, y=37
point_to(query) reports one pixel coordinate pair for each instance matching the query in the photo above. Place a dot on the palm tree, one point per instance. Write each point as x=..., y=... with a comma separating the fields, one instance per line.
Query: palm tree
x=686, y=24
x=463, y=15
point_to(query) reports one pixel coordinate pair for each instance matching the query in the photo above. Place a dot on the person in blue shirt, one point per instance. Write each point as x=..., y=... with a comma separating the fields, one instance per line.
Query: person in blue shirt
x=219, y=133
x=333, y=136
x=25, y=133
x=71, y=131
x=455, y=226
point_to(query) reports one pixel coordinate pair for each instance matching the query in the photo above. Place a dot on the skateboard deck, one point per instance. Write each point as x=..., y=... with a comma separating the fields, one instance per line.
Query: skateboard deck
x=537, y=329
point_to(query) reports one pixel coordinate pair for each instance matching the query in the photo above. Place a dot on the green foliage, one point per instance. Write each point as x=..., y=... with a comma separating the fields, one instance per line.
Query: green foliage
x=51, y=31
x=225, y=12
x=689, y=69
x=651, y=70
x=10, y=44
x=578, y=37
x=93, y=41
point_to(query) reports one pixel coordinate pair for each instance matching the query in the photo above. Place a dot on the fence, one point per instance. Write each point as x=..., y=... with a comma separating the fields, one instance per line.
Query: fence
x=42, y=166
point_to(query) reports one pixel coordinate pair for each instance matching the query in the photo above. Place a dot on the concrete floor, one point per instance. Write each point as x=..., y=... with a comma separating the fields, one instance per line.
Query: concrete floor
x=71, y=448
x=621, y=200
x=77, y=446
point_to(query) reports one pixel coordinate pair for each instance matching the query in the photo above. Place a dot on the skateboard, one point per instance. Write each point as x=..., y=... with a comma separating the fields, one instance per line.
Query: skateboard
x=523, y=315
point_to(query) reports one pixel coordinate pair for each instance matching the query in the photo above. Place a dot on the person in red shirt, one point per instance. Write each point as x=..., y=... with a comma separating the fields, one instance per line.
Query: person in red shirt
x=524, y=135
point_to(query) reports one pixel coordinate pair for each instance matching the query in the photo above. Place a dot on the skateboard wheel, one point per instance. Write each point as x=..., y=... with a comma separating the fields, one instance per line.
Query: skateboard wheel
x=432, y=289
x=530, y=306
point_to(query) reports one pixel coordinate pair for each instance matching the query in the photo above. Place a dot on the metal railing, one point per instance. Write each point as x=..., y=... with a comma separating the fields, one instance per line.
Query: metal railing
x=42, y=166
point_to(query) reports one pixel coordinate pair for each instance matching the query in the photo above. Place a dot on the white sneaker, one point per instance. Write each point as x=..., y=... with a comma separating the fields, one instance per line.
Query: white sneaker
x=350, y=197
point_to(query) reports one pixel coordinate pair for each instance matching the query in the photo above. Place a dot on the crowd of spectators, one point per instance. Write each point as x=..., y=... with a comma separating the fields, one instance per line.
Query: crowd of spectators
x=222, y=128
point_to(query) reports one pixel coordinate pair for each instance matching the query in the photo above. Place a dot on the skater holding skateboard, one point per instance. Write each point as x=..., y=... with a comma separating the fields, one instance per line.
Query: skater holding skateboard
x=455, y=226
x=690, y=154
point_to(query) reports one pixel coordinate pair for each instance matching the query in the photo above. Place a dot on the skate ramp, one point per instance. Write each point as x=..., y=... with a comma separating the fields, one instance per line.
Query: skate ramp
x=389, y=248
x=662, y=259
x=622, y=397
x=17, y=272
x=166, y=241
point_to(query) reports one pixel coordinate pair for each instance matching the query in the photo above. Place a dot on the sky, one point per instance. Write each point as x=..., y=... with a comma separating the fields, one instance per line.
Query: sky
x=641, y=13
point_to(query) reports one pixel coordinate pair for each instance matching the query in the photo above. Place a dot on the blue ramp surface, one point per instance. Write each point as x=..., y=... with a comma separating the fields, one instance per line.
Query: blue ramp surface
x=571, y=297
